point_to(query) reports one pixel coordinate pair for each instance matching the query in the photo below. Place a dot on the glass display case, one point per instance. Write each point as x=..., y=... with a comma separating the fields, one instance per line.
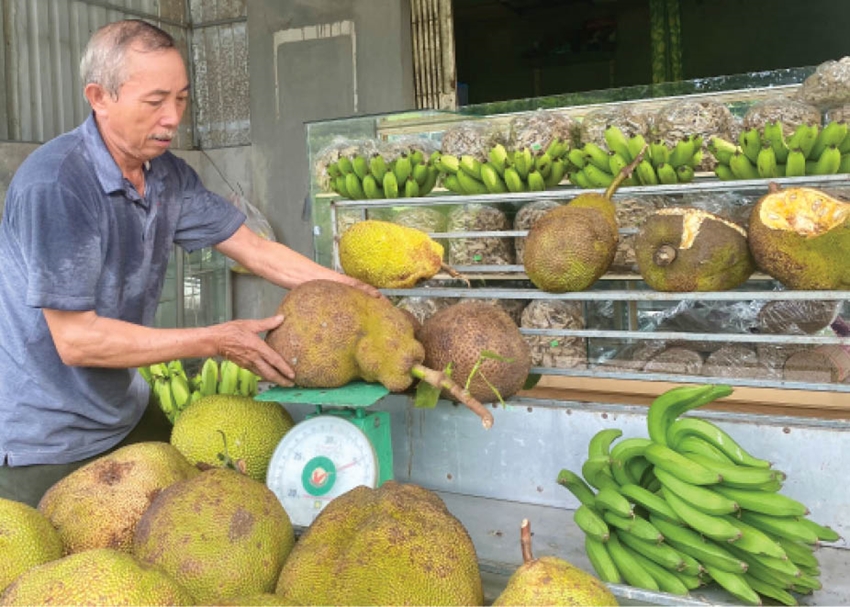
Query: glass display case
x=196, y=290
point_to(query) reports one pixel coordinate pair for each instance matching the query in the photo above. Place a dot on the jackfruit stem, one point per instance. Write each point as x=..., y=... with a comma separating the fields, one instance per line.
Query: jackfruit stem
x=664, y=256
x=625, y=173
x=455, y=274
x=525, y=541
x=438, y=379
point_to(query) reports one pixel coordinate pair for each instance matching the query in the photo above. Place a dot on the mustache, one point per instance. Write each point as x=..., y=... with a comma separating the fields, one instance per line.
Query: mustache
x=164, y=136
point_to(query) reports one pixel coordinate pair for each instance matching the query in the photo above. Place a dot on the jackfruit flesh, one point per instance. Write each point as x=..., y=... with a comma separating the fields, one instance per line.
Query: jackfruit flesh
x=387, y=255
x=801, y=237
x=686, y=249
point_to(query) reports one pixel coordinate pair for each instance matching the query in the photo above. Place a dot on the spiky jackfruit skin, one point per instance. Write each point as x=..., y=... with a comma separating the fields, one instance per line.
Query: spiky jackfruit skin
x=99, y=504
x=395, y=545
x=570, y=247
x=101, y=576
x=251, y=428
x=27, y=539
x=333, y=334
x=220, y=534
x=459, y=333
x=684, y=249
x=801, y=237
x=549, y=580
x=387, y=255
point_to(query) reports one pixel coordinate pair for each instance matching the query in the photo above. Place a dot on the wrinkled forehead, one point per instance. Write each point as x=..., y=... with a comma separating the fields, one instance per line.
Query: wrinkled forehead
x=162, y=65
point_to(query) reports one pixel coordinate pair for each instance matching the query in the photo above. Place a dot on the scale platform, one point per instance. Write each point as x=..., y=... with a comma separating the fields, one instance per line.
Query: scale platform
x=338, y=447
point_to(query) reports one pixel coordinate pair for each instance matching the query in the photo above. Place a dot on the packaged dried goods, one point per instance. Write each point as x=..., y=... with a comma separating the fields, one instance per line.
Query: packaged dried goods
x=631, y=119
x=734, y=360
x=473, y=138
x=822, y=364
x=537, y=130
x=829, y=86
x=797, y=317
x=790, y=112
x=686, y=117
x=680, y=361
x=485, y=250
x=553, y=351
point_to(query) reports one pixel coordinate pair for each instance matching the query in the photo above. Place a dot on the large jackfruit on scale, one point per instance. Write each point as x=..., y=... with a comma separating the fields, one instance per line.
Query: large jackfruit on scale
x=101, y=576
x=333, y=334
x=549, y=580
x=395, y=545
x=390, y=256
x=801, y=237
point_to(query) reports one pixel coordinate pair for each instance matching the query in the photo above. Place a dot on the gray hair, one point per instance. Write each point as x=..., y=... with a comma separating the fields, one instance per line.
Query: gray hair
x=103, y=60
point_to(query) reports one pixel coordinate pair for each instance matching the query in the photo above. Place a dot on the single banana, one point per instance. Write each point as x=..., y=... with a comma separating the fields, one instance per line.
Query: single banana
x=339, y=186
x=449, y=164
x=723, y=172
x=557, y=148
x=829, y=162
x=577, y=486
x=695, y=160
x=667, y=173
x=608, y=498
x=637, y=146
x=160, y=370
x=471, y=165
x=733, y=475
x=344, y=165
x=703, y=499
x=536, y=181
x=360, y=166
x=498, y=156
x=333, y=170
x=402, y=167
x=800, y=554
x=451, y=183
x=715, y=527
x=682, y=152
x=659, y=153
x=666, y=579
x=430, y=181
x=354, y=187
x=635, y=525
x=742, y=167
x=513, y=181
x=229, y=381
x=762, y=572
x=180, y=391
x=596, y=155
x=766, y=162
x=378, y=167
x=411, y=187
x=832, y=134
x=735, y=584
x=579, y=179
x=788, y=527
x=681, y=466
x=750, y=142
x=695, y=444
x=162, y=388
x=807, y=139
x=591, y=523
x=371, y=188
x=390, y=185
x=622, y=453
x=646, y=174
x=491, y=179
x=844, y=166
x=559, y=169
x=597, y=472
x=209, y=377
x=687, y=541
x=685, y=173
x=721, y=149
x=773, y=134
x=146, y=374
x=577, y=158
x=616, y=163
x=795, y=165
x=470, y=184
x=417, y=157
x=844, y=146
x=601, y=561
x=754, y=541
x=246, y=382
x=651, y=502
x=630, y=569
x=617, y=142
x=771, y=591
x=713, y=434
x=523, y=162
x=598, y=178
x=543, y=164
x=599, y=444
x=780, y=566
x=420, y=173
x=823, y=532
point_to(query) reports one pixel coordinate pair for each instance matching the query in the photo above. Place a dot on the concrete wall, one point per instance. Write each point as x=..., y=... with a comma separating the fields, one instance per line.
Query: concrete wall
x=299, y=74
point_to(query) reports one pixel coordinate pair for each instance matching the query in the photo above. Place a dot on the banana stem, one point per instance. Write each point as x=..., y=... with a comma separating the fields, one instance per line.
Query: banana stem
x=525, y=541
x=455, y=274
x=625, y=173
x=438, y=379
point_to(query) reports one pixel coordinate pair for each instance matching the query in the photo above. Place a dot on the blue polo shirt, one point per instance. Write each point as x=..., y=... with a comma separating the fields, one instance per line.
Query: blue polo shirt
x=76, y=235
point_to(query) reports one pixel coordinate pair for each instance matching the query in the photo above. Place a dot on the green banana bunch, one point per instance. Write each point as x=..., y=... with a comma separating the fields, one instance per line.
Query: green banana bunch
x=595, y=167
x=376, y=178
x=767, y=154
x=689, y=506
x=175, y=390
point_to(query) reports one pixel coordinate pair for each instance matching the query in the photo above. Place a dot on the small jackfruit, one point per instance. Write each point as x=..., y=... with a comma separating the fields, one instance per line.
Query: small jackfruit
x=220, y=534
x=27, y=539
x=333, y=334
x=238, y=427
x=101, y=576
x=686, y=249
x=99, y=504
x=549, y=580
x=395, y=545
x=389, y=256
x=801, y=237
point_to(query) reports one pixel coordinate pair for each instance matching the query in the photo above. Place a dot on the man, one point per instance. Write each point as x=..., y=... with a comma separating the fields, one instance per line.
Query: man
x=88, y=225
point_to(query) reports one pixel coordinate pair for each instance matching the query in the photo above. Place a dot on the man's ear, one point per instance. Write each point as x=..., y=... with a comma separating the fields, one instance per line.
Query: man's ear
x=97, y=97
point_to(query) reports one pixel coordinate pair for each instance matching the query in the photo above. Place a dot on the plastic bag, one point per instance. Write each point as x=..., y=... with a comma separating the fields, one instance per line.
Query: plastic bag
x=790, y=112
x=536, y=130
x=707, y=118
x=255, y=221
x=829, y=86
x=631, y=119
x=472, y=138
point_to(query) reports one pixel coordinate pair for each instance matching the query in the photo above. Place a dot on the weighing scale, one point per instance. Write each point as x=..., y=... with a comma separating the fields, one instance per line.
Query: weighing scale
x=337, y=448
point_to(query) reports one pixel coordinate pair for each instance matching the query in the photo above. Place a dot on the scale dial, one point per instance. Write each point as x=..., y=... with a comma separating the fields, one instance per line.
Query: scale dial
x=317, y=460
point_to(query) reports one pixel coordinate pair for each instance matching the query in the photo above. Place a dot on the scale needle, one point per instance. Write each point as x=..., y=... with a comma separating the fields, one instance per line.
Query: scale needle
x=348, y=465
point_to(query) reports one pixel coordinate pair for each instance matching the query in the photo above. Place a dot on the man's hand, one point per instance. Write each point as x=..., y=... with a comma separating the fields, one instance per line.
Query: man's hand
x=357, y=284
x=239, y=341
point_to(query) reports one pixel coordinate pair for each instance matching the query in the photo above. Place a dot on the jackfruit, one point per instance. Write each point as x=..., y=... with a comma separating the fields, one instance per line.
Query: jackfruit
x=221, y=534
x=99, y=504
x=266, y=598
x=101, y=576
x=390, y=256
x=333, y=334
x=685, y=249
x=570, y=247
x=395, y=545
x=27, y=539
x=460, y=333
x=236, y=427
x=549, y=580
x=801, y=237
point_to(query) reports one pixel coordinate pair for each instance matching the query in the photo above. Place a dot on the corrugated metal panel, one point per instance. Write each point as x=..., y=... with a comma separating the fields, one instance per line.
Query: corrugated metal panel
x=44, y=40
x=433, y=54
x=220, y=63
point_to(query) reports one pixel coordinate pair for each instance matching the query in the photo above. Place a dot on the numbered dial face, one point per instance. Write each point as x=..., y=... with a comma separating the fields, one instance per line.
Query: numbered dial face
x=317, y=460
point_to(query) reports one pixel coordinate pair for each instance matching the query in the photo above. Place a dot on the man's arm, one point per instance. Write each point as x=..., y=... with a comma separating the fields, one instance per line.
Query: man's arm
x=85, y=339
x=278, y=263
